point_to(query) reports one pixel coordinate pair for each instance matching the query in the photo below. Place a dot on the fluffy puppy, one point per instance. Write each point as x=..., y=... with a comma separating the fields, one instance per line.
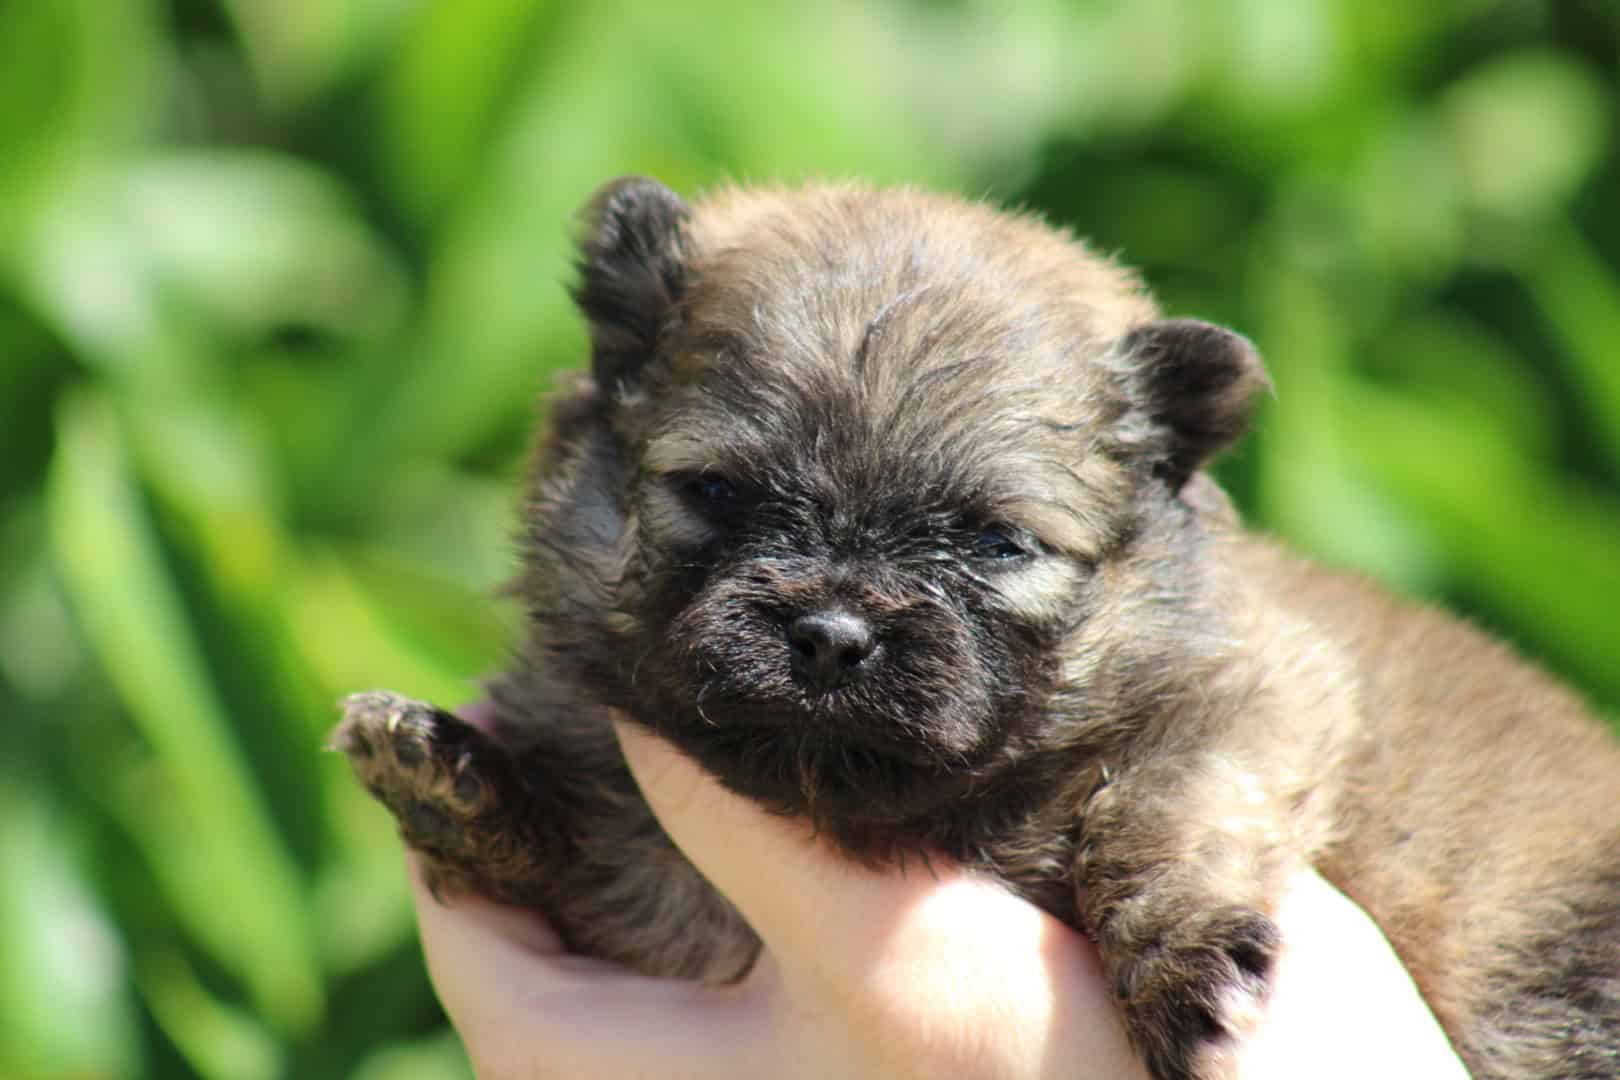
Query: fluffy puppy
x=887, y=509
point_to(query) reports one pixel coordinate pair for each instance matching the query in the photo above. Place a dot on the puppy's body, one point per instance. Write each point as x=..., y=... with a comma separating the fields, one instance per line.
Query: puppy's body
x=887, y=509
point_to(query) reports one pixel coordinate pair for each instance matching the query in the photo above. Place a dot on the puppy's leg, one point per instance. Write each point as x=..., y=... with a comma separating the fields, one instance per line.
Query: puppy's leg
x=458, y=797
x=1177, y=877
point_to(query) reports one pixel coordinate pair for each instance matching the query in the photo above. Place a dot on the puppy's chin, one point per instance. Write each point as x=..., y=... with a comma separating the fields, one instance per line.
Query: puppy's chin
x=808, y=766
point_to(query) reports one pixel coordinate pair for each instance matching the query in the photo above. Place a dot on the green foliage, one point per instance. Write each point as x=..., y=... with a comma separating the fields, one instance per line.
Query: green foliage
x=280, y=280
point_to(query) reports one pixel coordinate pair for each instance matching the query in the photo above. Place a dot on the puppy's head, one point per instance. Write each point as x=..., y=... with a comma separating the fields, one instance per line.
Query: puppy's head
x=886, y=454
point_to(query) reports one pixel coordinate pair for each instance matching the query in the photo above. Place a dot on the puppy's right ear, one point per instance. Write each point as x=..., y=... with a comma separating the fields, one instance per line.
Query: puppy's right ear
x=1199, y=382
x=632, y=270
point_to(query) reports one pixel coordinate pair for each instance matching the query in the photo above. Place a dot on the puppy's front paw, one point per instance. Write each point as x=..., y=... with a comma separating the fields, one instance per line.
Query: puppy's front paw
x=412, y=756
x=445, y=782
x=1188, y=991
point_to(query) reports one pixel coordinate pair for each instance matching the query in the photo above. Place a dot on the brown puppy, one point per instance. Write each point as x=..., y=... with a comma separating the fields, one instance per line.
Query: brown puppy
x=887, y=509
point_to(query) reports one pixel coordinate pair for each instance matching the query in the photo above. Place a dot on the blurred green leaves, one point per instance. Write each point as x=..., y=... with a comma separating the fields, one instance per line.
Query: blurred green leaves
x=280, y=281
x=208, y=836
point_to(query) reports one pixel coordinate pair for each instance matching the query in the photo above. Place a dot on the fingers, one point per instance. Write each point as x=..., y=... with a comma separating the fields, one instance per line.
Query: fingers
x=526, y=1008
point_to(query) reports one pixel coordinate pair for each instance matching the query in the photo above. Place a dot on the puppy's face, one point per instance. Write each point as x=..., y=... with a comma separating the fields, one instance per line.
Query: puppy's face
x=886, y=452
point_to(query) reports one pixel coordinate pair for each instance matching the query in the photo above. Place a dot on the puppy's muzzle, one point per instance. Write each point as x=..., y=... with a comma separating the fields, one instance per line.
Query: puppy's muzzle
x=830, y=648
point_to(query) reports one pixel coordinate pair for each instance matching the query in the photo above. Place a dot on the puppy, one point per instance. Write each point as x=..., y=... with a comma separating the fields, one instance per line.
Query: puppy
x=887, y=509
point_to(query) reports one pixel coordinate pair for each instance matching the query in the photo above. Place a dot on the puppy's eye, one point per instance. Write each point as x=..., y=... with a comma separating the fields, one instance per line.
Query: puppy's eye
x=709, y=490
x=1000, y=544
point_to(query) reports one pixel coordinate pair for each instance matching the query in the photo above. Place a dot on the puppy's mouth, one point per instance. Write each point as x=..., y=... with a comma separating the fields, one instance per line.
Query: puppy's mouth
x=926, y=702
x=832, y=773
x=827, y=727
x=878, y=725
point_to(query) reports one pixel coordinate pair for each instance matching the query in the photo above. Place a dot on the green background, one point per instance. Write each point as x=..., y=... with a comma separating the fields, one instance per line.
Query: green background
x=280, y=280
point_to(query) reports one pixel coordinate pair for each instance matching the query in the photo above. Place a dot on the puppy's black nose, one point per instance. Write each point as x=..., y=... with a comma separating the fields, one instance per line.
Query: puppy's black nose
x=829, y=647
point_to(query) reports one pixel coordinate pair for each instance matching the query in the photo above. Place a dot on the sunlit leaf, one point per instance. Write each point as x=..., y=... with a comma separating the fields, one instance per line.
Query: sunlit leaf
x=363, y=904
x=1444, y=360
x=1310, y=488
x=1579, y=295
x=1526, y=130
x=440, y=1058
x=1407, y=203
x=64, y=1009
x=40, y=652
x=446, y=88
x=76, y=90
x=301, y=47
x=219, y=1042
x=1281, y=55
x=135, y=264
x=1558, y=583
x=348, y=637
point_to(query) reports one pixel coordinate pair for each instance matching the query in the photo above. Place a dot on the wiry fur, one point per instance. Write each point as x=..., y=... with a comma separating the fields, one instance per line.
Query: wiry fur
x=1141, y=718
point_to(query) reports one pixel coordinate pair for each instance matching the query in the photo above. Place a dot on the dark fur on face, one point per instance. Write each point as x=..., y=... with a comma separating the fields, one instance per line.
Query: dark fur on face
x=887, y=508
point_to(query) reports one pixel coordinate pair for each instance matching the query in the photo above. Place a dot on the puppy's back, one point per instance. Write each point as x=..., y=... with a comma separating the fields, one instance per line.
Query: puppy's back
x=1460, y=731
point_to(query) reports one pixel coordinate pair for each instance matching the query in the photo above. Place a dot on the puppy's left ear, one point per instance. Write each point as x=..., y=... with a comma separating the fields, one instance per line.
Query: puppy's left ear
x=1200, y=382
x=632, y=269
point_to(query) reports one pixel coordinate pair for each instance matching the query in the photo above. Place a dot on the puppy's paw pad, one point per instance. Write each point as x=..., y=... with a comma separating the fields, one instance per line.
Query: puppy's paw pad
x=385, y=733
x=417, y=759
x=467, y=791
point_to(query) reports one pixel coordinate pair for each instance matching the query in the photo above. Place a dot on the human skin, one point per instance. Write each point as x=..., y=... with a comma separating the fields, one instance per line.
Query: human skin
x=920, y=971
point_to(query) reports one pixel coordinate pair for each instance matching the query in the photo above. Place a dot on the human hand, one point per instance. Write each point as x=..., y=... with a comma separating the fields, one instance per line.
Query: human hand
x=915, y=972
